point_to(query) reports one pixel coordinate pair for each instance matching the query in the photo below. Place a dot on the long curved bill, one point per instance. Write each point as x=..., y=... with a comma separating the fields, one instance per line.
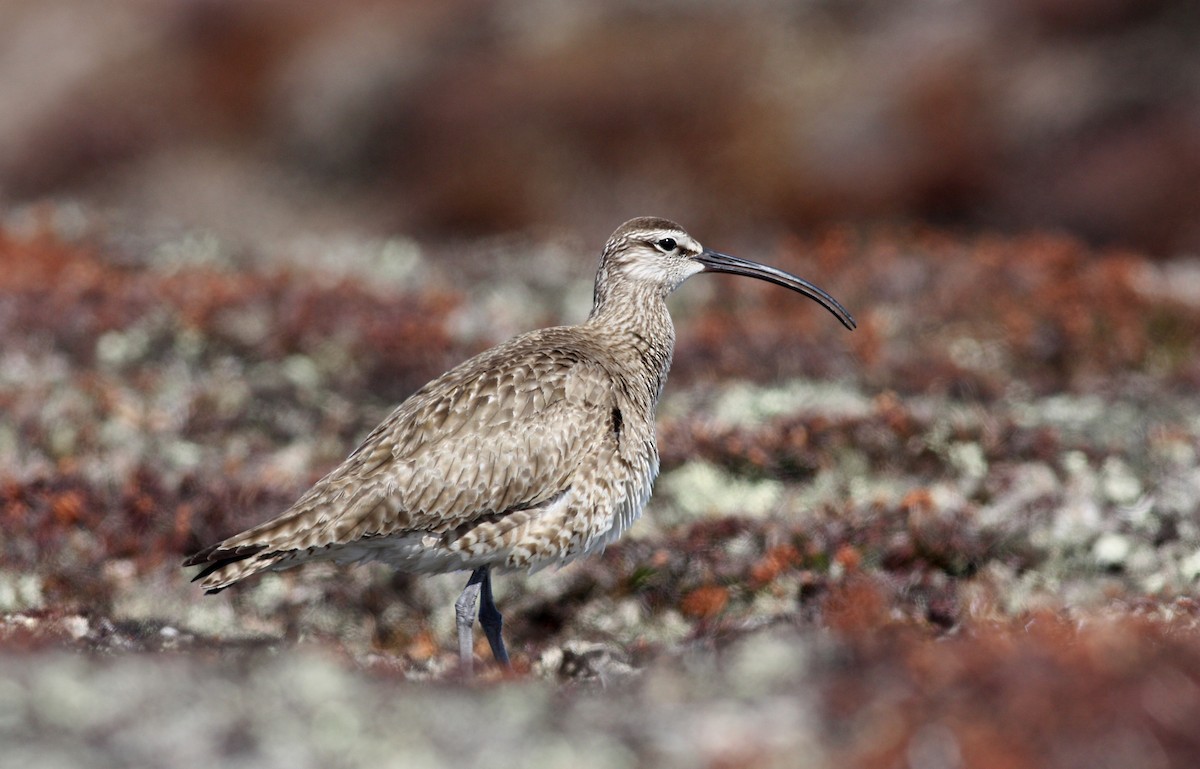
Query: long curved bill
x=714, y=261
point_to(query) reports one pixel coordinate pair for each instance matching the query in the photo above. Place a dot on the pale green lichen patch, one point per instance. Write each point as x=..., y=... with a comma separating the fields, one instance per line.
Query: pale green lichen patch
x=968, y=459
x=385, y=266
x=20, y=592
x=1111, y=550
x=746, y=404
x=699, y=489
x=1119, y=483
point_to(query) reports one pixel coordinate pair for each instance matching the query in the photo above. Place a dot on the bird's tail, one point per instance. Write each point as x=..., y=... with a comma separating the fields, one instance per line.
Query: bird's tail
x=223, y=567
x=303, y=532
x=267, y=546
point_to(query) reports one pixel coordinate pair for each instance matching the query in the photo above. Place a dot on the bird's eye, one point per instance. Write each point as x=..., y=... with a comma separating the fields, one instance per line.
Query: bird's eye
x=666, y=244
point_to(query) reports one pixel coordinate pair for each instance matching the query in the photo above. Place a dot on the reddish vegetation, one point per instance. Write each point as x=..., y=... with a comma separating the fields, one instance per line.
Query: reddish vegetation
x=928, y=663
x=773, y=563
x=1032, y=298
x=1041, y=690
x=70, y=529
x=68, y=296
x=942, y=314
x=705, y=602
x=72, y=294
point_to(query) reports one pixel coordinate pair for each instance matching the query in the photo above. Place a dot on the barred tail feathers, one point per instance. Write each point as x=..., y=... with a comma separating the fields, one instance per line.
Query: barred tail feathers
x=254, y=550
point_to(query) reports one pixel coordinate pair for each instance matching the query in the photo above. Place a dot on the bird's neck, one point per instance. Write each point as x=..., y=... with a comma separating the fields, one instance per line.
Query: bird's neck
x=636, y=325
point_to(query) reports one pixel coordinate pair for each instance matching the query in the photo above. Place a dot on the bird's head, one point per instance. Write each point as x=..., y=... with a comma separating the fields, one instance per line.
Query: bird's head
x=659, y=254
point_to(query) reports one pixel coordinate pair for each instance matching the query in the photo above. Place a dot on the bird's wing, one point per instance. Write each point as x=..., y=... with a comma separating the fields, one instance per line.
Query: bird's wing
x=501, y=433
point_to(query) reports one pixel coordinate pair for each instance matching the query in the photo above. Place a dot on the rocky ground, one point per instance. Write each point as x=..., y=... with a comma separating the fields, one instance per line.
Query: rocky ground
x=966, y=534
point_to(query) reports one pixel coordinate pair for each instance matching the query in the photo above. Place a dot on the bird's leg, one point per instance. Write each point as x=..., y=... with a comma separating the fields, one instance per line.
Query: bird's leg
x=464, y=613
x=490, y=619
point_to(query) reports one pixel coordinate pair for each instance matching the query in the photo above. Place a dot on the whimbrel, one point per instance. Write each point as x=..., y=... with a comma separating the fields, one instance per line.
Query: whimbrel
x=532, y=453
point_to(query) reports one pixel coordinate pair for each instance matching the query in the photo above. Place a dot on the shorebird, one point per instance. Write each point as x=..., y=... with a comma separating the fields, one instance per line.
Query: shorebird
x=532, y=453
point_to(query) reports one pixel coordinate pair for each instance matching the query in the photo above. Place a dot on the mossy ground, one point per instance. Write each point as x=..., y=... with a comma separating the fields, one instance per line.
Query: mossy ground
x=967, y=534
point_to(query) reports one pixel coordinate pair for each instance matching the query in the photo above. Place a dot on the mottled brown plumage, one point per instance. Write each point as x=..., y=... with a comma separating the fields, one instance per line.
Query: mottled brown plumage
x=532, y=453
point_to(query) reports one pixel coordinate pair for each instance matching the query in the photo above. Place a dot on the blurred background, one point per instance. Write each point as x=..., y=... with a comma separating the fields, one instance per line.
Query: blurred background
x=258, y=119
x=235, y=233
